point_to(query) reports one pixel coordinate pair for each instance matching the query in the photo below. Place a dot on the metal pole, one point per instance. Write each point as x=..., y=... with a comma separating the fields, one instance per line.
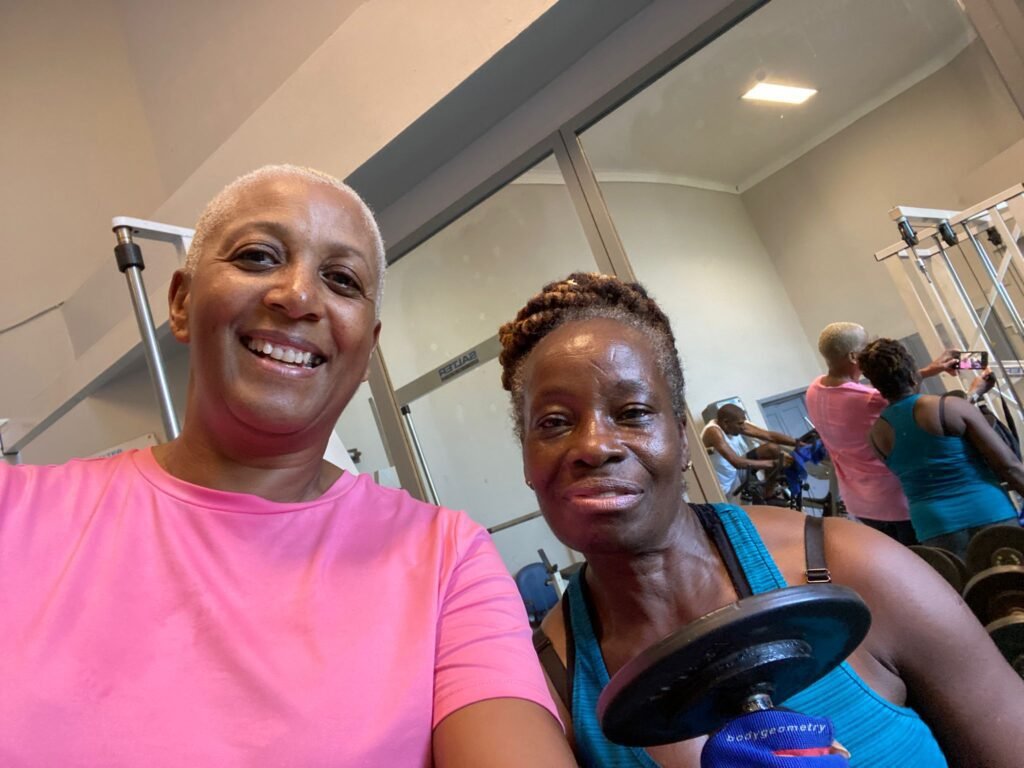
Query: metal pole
x=129, y=261
x=997, y=283
x=977, y=321
x=407, y=413
x=514, y=521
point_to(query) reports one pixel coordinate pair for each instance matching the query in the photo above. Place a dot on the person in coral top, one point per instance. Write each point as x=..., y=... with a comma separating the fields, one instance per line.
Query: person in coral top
x=843, y=411
x=229, y=598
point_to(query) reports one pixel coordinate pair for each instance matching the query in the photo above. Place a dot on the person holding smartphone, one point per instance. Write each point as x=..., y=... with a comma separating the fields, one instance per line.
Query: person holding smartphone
x=843, y=409
x=948, y=459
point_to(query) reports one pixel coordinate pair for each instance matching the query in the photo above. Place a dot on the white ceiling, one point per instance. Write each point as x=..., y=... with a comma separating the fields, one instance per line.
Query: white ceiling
x=692, y=127
x=203, y=68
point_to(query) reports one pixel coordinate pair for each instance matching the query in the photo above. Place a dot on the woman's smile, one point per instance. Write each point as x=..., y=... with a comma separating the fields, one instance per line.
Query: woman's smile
x=603, y=494
x=282, y=353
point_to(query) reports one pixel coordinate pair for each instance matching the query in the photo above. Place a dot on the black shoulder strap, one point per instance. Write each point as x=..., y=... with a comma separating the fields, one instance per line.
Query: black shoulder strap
x=570, y=641
x=814, y=551
x=942, y=413
x=558, y=673
x=716, y=532
x=553, y=666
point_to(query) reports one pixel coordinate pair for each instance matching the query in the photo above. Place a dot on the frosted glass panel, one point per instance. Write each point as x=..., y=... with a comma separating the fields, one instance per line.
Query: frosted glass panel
x=454, y=290
x=476, y=463
x=447, y=296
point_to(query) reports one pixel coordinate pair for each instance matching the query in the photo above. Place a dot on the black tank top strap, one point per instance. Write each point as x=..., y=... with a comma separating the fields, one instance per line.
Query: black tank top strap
x=712, y=523
x=560, y=675
x=570, y=645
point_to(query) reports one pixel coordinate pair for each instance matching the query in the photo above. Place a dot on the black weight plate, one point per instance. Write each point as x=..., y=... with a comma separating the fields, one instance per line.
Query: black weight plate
x=1008, y=634
x=998, y=545
x=943, y=562
x=995, y=592
x=961, y=567
x=696, y=679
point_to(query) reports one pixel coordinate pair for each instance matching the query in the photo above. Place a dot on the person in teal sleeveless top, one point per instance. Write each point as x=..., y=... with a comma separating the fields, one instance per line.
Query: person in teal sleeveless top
x=943, y=452
x=598, y=404
x=876, y=732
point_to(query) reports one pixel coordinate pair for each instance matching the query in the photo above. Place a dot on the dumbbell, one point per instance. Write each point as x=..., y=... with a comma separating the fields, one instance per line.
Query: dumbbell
x=948, y=565
x=996, y=545
x=996, y=592
x=741, y=658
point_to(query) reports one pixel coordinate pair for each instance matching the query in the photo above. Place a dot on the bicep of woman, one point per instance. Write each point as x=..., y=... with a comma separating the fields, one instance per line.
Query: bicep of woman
x=489, y=689
x=501, y=733
x=955, y=676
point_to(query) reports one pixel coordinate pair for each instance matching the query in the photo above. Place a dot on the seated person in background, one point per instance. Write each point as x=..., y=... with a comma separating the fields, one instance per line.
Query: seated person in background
x=231, y=599
x=843, y=410
x=598, y=404
x=727, y=439
x=946, y=456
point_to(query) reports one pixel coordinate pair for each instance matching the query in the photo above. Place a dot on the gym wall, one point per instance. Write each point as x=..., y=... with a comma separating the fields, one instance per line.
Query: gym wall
x=823, y=216
x=77, y=146
x=122, y=410
x=699, y=253
x=93, y=107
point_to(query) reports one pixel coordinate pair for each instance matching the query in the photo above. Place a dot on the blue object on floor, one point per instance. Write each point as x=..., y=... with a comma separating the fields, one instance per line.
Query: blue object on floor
x=538, y=595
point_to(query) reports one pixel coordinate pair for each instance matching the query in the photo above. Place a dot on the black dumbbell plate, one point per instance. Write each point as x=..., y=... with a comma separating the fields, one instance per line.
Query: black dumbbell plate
x=696, y=679
x=995, y=592
x=998, y=545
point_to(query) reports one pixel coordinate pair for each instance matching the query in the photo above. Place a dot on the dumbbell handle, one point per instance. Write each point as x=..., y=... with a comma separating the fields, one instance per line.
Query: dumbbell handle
x=756, y=702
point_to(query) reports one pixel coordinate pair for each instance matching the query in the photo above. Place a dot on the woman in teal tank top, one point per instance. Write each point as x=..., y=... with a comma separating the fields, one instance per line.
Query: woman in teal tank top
x=942, y=450
x=871, y=728
x=598, y=404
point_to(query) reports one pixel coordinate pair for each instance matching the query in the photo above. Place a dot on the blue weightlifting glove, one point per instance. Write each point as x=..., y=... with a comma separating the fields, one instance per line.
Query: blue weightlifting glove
x=774, y=738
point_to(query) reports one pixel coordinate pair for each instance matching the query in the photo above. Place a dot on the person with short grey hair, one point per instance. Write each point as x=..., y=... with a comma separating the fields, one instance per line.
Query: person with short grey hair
x=843, y=411
x=229, y=597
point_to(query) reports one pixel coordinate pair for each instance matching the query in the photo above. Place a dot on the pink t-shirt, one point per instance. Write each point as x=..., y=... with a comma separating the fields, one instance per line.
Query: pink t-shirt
x=843, y=416
x=145, y=621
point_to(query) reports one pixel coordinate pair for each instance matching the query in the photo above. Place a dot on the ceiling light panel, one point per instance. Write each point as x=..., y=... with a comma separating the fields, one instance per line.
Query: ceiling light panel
x=779, y=94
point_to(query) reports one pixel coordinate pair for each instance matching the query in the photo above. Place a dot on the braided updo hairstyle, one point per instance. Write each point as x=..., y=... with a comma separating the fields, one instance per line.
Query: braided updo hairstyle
x=585, y=296
x=890, y=368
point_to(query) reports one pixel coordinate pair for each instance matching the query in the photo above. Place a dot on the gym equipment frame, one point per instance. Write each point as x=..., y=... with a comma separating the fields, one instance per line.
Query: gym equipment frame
x=961, y=276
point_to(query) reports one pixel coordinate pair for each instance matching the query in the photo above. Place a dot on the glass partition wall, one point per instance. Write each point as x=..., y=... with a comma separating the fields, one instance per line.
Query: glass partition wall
x=445, y=300
x=751, y=184
x=753, y=222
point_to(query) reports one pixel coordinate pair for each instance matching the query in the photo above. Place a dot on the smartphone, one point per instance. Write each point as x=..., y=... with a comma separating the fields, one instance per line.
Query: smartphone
x=972, y=361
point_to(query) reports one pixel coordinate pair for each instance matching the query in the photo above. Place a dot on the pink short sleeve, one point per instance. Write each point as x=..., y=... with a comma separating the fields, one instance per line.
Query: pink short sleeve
x=876, y=403
x=484, y=647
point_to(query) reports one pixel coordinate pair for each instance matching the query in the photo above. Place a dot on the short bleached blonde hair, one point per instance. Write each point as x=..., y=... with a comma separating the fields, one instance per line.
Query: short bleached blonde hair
x=219, y=209
x=838, y=340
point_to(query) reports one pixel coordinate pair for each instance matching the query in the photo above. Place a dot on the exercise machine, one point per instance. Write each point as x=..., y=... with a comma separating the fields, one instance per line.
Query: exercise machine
x=961, y=276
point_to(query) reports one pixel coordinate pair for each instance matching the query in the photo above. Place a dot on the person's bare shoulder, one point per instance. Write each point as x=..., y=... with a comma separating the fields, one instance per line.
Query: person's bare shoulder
x=782, y=531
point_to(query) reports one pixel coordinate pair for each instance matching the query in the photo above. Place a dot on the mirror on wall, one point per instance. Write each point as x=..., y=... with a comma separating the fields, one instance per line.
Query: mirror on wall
x=751, y=184
x=443, y=304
